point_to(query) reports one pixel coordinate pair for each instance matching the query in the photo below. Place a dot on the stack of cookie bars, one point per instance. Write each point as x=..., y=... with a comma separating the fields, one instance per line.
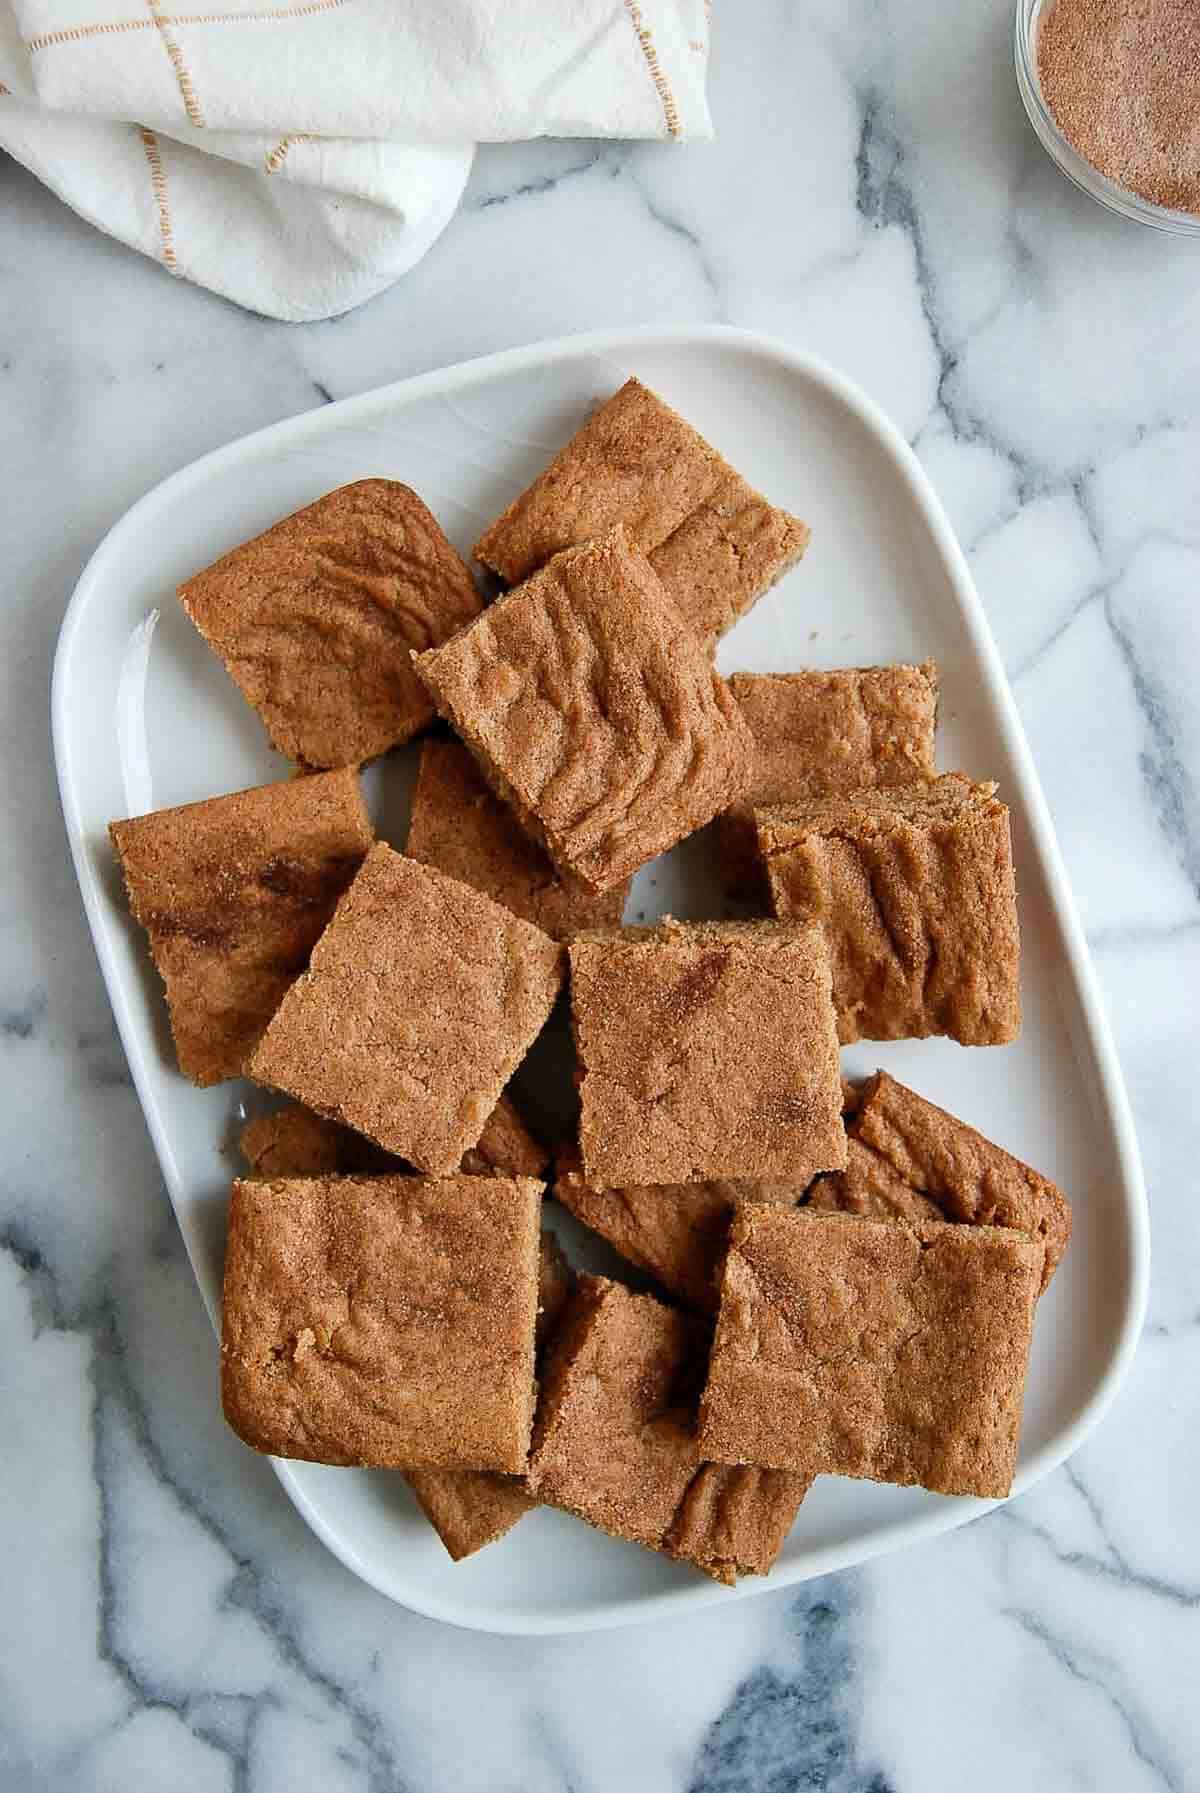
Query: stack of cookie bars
x=843, y=1278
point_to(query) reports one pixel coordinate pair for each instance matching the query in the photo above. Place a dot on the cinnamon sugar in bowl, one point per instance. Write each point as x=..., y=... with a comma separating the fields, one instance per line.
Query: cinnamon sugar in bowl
x=1113, y=82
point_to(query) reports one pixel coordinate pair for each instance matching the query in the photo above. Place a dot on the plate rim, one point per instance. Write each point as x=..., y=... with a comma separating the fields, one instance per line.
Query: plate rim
x=643, y=1608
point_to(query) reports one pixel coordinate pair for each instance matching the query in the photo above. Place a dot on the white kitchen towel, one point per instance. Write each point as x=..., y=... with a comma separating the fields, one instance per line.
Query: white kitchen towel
x=300, y=157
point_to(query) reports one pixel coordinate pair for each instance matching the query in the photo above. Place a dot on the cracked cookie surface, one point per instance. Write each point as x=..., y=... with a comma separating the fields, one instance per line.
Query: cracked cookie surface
x=715, y=542
x=382, y=1321
x=461, y=829
x=706, y=1049
x=914, y=888
x=233, y=893
x=316, y=619
x=421, y=999
x=615, y=1442
x=909, y=1160
x=293, y=1141
x=677, y=1232
x=816, y=733
x=594, y=712
x=848, y=1346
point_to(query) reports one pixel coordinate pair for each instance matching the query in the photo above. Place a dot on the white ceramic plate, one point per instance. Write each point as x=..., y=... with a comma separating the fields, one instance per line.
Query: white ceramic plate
x=144, y=722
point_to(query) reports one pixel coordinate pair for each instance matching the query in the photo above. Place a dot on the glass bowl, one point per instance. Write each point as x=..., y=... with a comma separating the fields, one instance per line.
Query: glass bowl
x=1105, y=191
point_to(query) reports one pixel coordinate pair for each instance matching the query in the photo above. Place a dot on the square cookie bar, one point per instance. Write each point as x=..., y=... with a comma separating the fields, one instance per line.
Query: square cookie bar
x=468, y=1508
x=853, y=1347
x=615, y=1444
x=293, y=1141
x=706, y=1050
x=715, y=542
x=382, y=1321
x=316, y=618
x=677, y=1232
x=816, y=733
x=911, y=1161
x=233, y=893
x=461, y=829
x=914, y=888
x=421, y=999
x=595, y=712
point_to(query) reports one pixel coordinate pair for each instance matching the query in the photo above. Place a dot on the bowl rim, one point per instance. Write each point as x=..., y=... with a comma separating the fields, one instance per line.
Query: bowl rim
x=1082, y=173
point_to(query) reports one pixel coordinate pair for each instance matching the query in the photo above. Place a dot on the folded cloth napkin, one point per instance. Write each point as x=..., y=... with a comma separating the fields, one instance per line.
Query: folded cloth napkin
x=299, y=157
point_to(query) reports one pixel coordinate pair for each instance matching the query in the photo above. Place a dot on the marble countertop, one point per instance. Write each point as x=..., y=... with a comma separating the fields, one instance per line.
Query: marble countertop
x=876, y=196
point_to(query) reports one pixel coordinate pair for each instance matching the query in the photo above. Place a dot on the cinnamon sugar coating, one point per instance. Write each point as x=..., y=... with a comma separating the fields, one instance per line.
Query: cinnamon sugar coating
x=468, y=1508
x=1122, y=82
x=854, y=1347
x=817, y=733
x=471, y=1508
x=316, y=620
x=706, y=1050
x=911, y=1161
x=233, y=893
x=293, y=1141
x=715, y=542
x=421, y=999
x=594, y=712
x=677, y=1232
x=382, y=1321
x=914, y=889
x=460, y=828
x=614, y=1441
